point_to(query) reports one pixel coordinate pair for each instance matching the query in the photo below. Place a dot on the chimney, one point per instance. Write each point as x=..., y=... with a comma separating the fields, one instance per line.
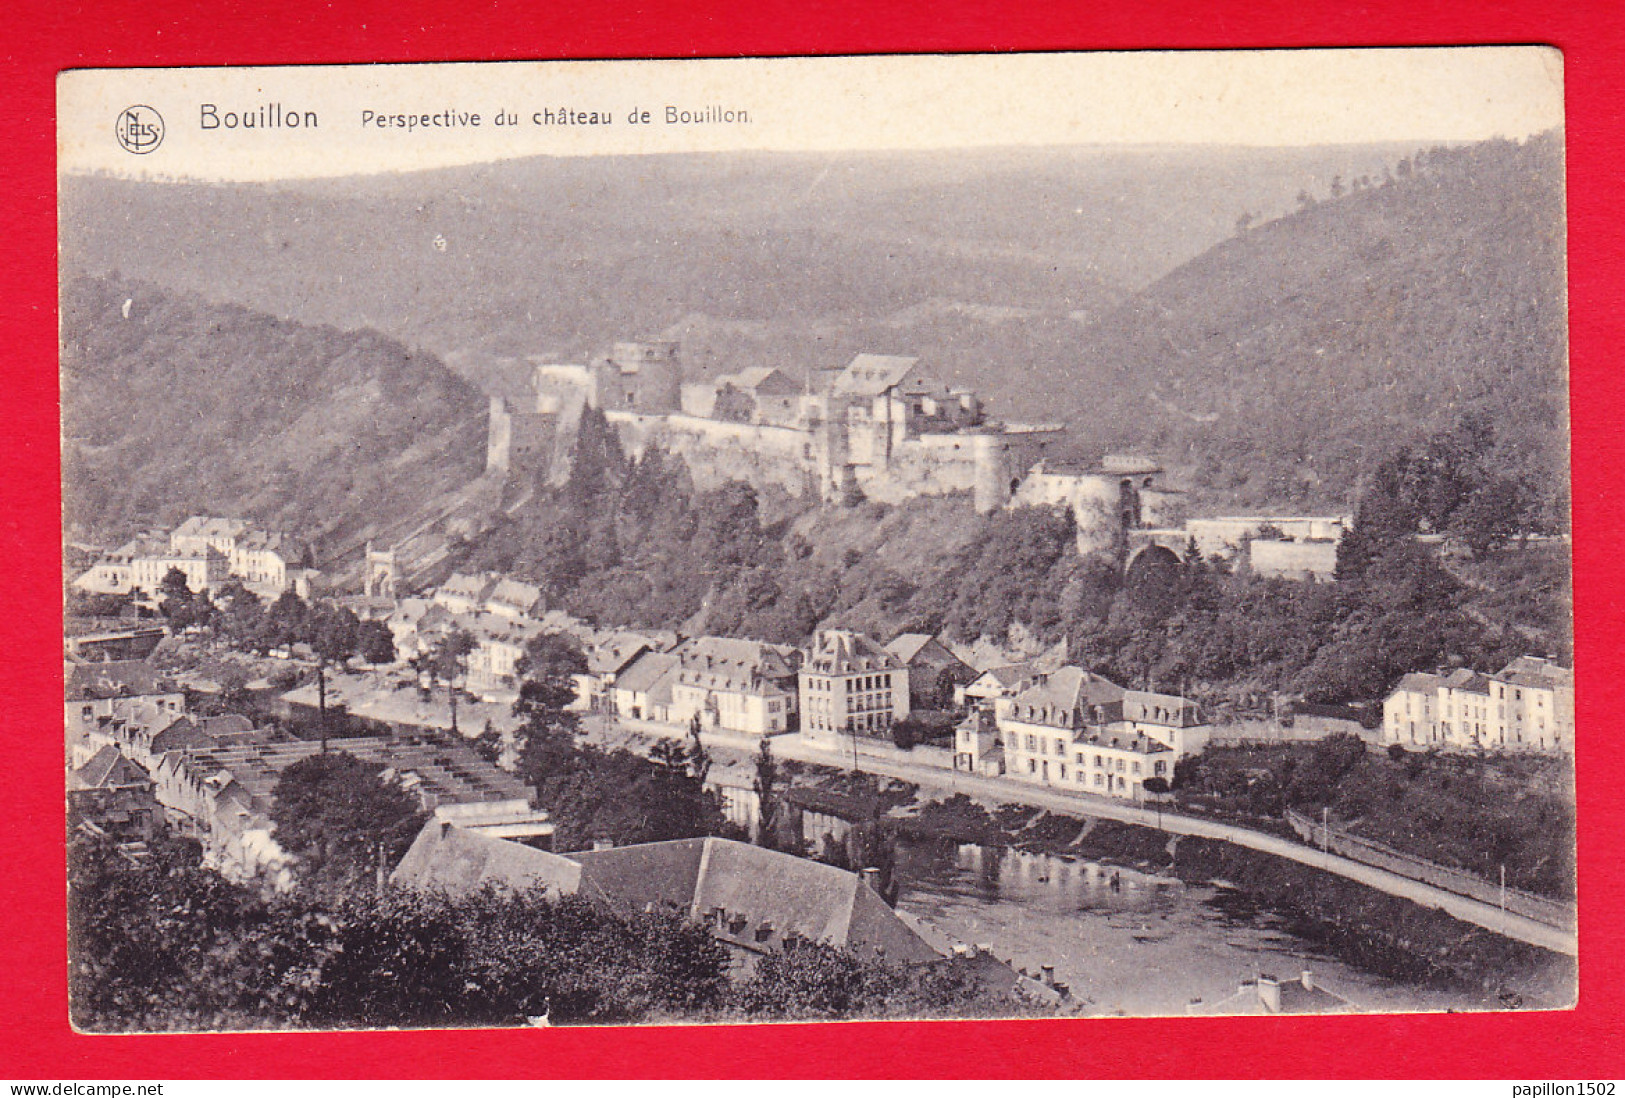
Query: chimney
x=871, y=877
x=1269, y=993
x=1308, y=980
x=1049, y=975
x=603, y=844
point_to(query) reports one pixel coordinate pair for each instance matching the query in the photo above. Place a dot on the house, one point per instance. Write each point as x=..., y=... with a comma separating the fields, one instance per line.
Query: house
x=851, y=686
x=977, y=746
x=513, y=599
x=1409, y=716
x=772, y=395
x=644, y=690
x=1075, y=729
x=1534, y=705
x=499, y=645
x=935, y=674
x=995, y=683
x=1265, y=994
x=754, y=901
x=610, y=655
x=269, y=564
x=114, y=795
x=1464, y=710
x=737, y=685
x=115, y=694
x=464, y=594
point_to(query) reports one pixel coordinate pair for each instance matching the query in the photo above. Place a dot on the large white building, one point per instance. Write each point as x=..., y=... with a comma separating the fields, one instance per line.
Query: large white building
x=1074, y=729
x=1526, y=706
x=736, y=685
x=849, y=686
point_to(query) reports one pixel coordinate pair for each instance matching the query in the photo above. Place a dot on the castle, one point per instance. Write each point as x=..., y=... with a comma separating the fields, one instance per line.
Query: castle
x=879, y=428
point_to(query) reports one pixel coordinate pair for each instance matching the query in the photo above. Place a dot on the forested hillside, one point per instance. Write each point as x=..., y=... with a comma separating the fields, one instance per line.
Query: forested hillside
x=172, y=406
x=1284, y=363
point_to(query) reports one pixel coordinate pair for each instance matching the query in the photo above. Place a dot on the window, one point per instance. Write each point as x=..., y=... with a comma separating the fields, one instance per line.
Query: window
x=1060, y=748
x=1136, y=768
x=1099, y=761
x=1099, y=781
x=1032, y=743
x=1061, y=769
x=1032, y=767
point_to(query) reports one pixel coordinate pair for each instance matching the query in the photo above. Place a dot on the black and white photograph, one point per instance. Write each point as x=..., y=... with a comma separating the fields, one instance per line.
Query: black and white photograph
x=816, y=539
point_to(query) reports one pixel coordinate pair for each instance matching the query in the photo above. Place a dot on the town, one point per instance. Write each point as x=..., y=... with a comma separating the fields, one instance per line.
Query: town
x=208, y=663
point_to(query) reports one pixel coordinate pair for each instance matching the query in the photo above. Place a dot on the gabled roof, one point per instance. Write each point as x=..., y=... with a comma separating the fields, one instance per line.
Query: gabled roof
x=226, y=724
x=107, y=769
x=759, y=379
x=1536, y=673
x=1467, y=680
x=746, y=895
x=905, y=646
x=464, y=586
x=871, y=375
x=179, y=734
x=1060, y=697
x=114, y=679
x=1418, y=682
x=729, y=663
x=1008, y=677
x=614, y=653
x=520, y=596
x=647, y=671
x=453, y=859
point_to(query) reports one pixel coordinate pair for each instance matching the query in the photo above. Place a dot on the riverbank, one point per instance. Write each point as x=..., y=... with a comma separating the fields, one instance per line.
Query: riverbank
x=1383, y=934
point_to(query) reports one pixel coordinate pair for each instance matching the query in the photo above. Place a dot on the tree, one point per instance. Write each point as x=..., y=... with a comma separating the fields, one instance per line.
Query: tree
x=767, y=796
x=375, y=643
x=1157, y=787
x=733, y=405
x=447, y=662
x=338, y=815
x=1492, y=516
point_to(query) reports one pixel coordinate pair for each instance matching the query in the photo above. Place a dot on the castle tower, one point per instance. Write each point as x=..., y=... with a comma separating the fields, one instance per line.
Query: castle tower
x=650, y=377
x=991, y=479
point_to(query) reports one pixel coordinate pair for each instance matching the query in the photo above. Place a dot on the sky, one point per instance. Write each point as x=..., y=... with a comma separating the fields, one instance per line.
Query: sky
x=1257, y=98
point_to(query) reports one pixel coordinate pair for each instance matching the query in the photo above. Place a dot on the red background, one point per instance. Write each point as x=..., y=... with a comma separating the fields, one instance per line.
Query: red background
x=40, y=39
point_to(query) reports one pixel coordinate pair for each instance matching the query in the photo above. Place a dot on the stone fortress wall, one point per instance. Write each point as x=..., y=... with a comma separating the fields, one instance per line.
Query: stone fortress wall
x=878, y=429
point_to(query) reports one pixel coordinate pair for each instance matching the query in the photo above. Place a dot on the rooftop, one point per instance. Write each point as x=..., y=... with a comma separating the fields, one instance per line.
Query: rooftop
x=753, y=898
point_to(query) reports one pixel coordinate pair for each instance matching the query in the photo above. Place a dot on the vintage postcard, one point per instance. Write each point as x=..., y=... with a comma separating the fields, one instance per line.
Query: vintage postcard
x=739, y=541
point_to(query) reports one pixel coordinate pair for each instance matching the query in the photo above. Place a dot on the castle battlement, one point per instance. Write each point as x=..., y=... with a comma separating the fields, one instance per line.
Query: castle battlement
x=880, y=428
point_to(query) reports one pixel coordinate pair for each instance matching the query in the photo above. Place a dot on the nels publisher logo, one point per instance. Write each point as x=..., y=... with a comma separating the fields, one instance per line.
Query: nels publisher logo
x=139, y=129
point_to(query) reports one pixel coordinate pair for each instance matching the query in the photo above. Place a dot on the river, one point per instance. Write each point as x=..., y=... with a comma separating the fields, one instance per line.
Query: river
x=1148, y=946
